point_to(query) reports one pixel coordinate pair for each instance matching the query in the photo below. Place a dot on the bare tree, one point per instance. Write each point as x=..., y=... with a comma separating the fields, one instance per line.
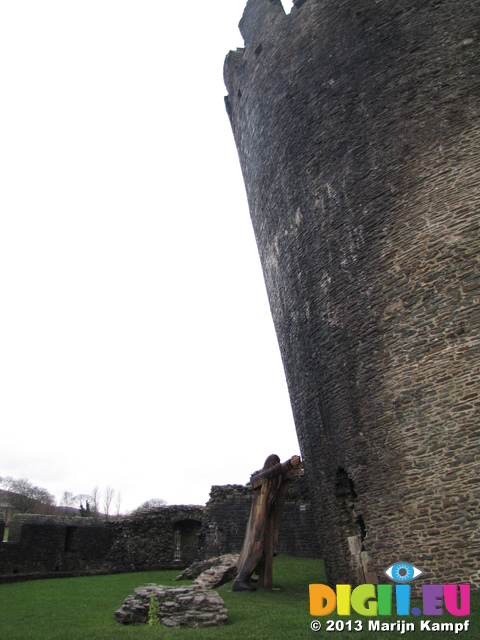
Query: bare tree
x=118, y=502
x=95, y=500
x=107, y=499
x=67, y=500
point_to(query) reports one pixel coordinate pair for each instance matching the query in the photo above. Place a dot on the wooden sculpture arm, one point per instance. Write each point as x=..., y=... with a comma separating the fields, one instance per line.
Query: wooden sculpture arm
x=281, y=468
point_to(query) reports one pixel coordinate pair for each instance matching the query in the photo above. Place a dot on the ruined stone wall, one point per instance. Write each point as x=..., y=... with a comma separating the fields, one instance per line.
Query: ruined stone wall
x=41, y=546
x=169, y=537
x=163, y=538
x=225, y=520
x=226, y=516
x=357, y=127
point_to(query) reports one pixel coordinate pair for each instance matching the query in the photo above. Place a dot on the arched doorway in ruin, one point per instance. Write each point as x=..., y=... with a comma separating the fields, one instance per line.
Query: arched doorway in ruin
x=186, y=541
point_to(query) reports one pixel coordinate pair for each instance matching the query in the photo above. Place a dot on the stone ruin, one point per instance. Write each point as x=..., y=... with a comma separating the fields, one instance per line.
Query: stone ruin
x=171, y=537
x=211, y=573
x=357, y=129
x=189, y=606
x=196, y=605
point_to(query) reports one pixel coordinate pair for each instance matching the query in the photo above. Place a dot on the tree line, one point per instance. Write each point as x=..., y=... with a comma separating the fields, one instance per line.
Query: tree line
x=94, y=504
x=21, y=496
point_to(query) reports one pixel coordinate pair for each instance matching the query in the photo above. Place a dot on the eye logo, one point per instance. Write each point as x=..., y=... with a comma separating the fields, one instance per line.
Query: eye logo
x=402, y=572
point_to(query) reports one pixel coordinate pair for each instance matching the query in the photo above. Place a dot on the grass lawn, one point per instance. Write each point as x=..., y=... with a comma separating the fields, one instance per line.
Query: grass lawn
x=82, y=609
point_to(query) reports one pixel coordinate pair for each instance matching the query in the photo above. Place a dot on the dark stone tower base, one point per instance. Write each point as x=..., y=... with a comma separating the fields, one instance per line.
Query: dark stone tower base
x=357, y=126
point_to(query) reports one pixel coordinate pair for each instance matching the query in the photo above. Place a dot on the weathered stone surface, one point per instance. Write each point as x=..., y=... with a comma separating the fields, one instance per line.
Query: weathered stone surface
x=211, y=569
x=186, y=606
x=162, y=538
x=39, y=545
x=226, y=516
x=195, y=569
x=221, y=570
x=358, y=132
x=147, y=541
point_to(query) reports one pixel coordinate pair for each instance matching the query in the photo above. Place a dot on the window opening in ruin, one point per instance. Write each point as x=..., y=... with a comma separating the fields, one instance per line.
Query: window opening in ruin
x=70, y=538
x=258, y=50
x=186, y=540
x=177, y=555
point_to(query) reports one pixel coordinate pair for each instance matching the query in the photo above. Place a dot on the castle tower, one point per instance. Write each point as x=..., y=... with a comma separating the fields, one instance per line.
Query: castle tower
x=357, y=125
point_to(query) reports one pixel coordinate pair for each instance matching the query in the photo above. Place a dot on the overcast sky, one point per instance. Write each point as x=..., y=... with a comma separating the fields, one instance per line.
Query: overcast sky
x=137, y=348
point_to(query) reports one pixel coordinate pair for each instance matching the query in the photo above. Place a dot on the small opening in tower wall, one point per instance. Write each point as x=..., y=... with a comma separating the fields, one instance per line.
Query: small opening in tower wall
x=347, y=496
x=258, y=50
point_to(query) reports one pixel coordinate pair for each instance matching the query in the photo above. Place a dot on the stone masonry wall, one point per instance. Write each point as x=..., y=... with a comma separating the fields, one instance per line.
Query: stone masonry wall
x=148, y=541
x=40, y=546
x=164, y=538
x=357, y=127
x=226, y=516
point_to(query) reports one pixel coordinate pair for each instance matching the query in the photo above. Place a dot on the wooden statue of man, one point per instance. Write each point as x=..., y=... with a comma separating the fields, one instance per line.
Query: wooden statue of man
x=269, y=494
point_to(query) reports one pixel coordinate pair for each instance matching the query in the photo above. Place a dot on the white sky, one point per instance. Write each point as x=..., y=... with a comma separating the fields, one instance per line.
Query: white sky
x=137, y=348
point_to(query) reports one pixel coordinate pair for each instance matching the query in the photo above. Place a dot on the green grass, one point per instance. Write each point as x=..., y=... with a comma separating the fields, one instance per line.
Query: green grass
x=82, y=609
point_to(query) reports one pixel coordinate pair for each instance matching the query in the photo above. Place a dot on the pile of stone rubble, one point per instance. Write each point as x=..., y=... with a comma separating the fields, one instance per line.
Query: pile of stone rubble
x=194, y=606
x=188, y=606
x=212, y=573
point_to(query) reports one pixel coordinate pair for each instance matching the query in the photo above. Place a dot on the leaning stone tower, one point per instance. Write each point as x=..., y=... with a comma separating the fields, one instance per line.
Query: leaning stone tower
x=357, y=124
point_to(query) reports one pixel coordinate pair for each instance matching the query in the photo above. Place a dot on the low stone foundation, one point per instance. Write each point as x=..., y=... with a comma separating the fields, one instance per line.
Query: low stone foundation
x=182, y=606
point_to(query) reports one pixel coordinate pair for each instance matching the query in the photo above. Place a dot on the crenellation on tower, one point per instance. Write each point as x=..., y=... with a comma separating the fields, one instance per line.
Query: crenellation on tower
x=259, y=19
